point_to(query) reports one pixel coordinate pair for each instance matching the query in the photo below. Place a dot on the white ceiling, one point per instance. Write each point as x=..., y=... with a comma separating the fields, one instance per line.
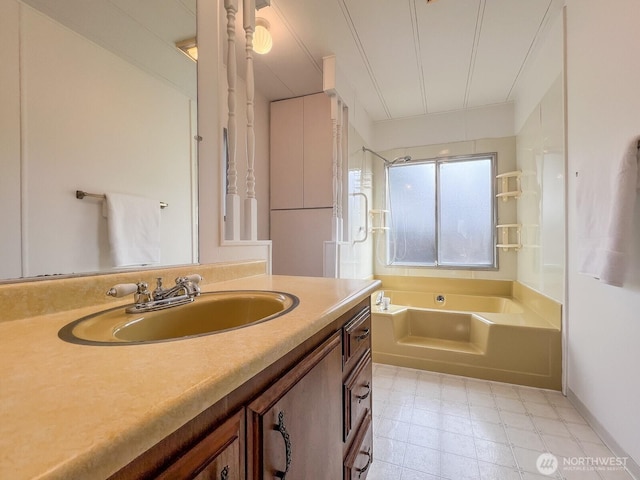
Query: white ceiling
x=404, y=58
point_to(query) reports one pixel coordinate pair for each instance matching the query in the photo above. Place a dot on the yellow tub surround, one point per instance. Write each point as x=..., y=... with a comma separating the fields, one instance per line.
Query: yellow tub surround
x=494, y=330
x=81, y=411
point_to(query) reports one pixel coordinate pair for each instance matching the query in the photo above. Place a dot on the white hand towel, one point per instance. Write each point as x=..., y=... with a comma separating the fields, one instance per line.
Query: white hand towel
x=606, y=218
x=134, y=229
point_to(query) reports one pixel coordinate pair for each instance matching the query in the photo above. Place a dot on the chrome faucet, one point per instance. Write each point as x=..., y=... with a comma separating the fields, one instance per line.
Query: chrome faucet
x=379, y=297
x=184, y=291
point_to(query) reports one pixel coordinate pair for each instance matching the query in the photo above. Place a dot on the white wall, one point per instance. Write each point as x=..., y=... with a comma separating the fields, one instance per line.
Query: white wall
x=10, y=237
x=506, y=150
x=493, y=121
x=541, y=207
x=91, y=121
x=603, y=89
x=539, y=121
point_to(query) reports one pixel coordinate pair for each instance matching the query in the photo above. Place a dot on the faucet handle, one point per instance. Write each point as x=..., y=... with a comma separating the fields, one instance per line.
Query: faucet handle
x=122, y=289
x=194, y=278
x=158, y=290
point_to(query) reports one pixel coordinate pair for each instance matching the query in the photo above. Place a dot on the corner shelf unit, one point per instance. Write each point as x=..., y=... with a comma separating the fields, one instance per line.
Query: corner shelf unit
x=509, y=189
x=509, y=235
x=379, y=220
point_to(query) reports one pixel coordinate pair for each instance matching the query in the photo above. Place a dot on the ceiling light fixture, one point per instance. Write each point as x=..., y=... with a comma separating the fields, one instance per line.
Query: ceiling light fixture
x=262, y=41
x=189, y=47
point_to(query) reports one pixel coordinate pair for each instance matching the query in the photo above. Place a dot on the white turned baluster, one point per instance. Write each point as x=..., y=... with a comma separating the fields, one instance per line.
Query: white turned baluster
x=335, y=229
x=340, y=151
x=232, y=213
x=250, y=203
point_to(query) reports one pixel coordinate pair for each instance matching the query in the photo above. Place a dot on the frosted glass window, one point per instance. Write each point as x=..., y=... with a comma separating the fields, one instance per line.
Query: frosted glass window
x=412, y=201
x=442, y=213
x=466, y=213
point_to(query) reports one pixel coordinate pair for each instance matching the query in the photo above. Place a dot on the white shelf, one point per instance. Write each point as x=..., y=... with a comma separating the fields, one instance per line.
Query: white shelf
x=507, y=232
x=509, y=189
x=379, y=220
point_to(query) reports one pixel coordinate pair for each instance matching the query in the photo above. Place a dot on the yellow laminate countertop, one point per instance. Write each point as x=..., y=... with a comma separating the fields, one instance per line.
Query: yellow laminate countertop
x=72, y=411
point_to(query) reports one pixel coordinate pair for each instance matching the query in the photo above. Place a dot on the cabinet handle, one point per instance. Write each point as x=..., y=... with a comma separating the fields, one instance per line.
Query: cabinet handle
x=287, y=445
x=365, y=333
x=224, y=475
x=366, y=467
x=364, y=397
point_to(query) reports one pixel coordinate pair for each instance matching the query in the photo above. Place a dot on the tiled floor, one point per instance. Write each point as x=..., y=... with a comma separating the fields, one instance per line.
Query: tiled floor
x=429, y=426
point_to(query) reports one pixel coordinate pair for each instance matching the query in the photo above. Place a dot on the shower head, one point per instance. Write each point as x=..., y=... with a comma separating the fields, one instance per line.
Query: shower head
x=403, y=159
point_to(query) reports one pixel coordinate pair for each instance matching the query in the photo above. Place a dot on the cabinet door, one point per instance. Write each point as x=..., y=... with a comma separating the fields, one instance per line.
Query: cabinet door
x=286, y=154
x=298, y=238
x=360, y=455
x=318, y=152
x=294, y=427
x=357, y=338
x=219, y=456
x=357, y=394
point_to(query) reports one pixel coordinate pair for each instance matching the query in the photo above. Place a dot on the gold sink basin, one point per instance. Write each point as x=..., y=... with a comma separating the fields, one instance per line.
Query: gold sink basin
x=209, y=313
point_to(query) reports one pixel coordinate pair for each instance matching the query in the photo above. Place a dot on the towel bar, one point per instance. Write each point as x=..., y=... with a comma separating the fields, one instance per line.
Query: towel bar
x=80, y=195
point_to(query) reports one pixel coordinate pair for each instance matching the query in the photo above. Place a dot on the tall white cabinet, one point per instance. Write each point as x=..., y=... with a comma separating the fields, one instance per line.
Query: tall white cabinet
x=301, y=193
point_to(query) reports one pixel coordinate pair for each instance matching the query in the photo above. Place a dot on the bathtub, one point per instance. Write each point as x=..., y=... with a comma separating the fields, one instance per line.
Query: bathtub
x=455, y=302
x=491, y=337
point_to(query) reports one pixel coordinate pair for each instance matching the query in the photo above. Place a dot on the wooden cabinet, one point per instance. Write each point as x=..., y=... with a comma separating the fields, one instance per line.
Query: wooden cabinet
x=294, y=427
x=357, y=338
x=219, y=456
x=357, y=396
x=306, y=416
x=360, y=455
x=301, y=153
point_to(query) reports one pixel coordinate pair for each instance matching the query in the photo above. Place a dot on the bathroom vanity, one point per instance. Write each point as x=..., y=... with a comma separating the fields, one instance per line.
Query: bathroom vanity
x=306, y=416
x=292, y=394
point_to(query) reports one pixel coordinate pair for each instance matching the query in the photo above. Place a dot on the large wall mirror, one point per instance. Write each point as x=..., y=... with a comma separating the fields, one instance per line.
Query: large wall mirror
x=95, y=97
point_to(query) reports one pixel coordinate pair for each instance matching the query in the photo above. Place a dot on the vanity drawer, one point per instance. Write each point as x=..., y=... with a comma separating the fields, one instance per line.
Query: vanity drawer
x=356, y=338
x=360, y=455
x=357, y=395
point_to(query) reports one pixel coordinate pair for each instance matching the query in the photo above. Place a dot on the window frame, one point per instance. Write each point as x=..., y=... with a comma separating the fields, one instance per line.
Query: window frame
x=437, y=161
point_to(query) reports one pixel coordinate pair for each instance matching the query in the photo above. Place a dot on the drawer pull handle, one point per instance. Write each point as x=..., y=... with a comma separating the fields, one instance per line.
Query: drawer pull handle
x=287, y=445
x=224, y=475
x=366, y=395
x=366, y=467
x=365, y=333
